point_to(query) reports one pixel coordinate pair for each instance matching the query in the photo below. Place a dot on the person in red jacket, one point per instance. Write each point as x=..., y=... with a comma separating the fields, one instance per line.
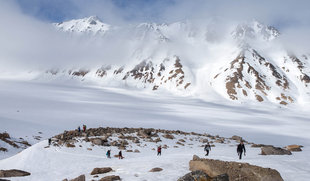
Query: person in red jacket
x=159, y=151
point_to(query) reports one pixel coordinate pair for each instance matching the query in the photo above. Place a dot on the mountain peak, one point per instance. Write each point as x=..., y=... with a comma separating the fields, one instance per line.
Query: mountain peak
x=91, y=25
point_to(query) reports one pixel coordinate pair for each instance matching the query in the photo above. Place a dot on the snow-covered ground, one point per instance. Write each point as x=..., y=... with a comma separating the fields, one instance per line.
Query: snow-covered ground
x=57, y=163
x=29, y=107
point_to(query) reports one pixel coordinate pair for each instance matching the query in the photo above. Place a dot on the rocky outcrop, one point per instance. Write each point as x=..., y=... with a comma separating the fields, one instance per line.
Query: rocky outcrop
x=271, y=150
x=200, y=175
x=13, y=173
x=101, y=170
x=234, y=170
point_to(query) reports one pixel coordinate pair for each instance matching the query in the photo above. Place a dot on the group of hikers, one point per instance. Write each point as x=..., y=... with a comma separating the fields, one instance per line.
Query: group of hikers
x=84, y=128
x=240, y=149
x=120, y=154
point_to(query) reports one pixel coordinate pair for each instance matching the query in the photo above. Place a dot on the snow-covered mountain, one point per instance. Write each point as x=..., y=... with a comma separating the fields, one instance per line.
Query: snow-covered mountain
x=91, y=25
x=164, y=58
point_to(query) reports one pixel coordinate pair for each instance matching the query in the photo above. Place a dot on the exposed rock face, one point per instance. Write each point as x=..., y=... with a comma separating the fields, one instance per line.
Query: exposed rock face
x=270, y=150
x=294, y=148
x=101, y=170
x=235, y=170
x=110, y=178
x=79, y=178
x=156, y=169
x=13, y=173
x=200, y=175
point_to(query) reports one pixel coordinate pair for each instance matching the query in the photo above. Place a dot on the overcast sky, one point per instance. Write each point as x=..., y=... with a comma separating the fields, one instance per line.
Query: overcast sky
x=276, y=12
x=26, y=35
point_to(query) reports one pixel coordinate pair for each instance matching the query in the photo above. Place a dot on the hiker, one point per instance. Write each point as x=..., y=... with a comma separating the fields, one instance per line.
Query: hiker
x=84, y=127
x=207, y=148
x=159, y=151
x=108, y=154
x=240, y=149
x=120, y=155
x=49, y=141
x=79, y=129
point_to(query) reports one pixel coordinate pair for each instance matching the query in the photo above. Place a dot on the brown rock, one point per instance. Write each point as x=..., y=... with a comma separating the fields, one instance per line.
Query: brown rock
x=110, y=178
x=79, y=178
x=101, y=170
x=96, y=141
x=156, y=169
x=137, y=151
x=270, y=150
x=168, y=136
x=69, y=145
x=294, y=147
x=13, y=173
x=234, y=170
x=201, y=176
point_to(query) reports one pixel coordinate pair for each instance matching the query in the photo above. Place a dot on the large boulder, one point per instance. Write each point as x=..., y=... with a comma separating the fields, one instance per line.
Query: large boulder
x=200, y=175
x=13, y=173
x=101, y=170
x=294, y=148
x=270, y=150
x=110, y=178
x=234, y=170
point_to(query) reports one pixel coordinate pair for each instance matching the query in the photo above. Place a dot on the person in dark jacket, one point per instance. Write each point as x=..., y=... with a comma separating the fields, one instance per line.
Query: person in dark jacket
x=207, y=148
x=79, y=129
x=108, y=154
x=240, y=149
x=159, y=151
x=49, y=141
x=120, y=155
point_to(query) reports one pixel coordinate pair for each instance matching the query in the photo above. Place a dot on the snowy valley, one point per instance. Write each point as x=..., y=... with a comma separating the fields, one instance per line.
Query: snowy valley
x=207, y=81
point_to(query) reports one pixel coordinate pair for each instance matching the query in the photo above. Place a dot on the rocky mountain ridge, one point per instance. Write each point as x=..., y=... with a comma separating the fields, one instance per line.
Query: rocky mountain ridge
x=246, y=74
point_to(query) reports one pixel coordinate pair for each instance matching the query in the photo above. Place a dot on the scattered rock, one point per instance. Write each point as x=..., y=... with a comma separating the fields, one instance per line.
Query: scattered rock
x=96, y=141
x=204, y=140
x=13, y=173
x=179, y=143
x=156, y=169
x=137, y=151
x=237, y=138
x=89, y=149
x=270, y=150
x=79, y=178
x=101, y=170
x=110, y=178
x=259, y=145
x=168, y=136
x=69, y=145
x=129, y=151
x=3, y=149
x=201, y=176
x=234, y=170
x=294, y=147
x=182, y=140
